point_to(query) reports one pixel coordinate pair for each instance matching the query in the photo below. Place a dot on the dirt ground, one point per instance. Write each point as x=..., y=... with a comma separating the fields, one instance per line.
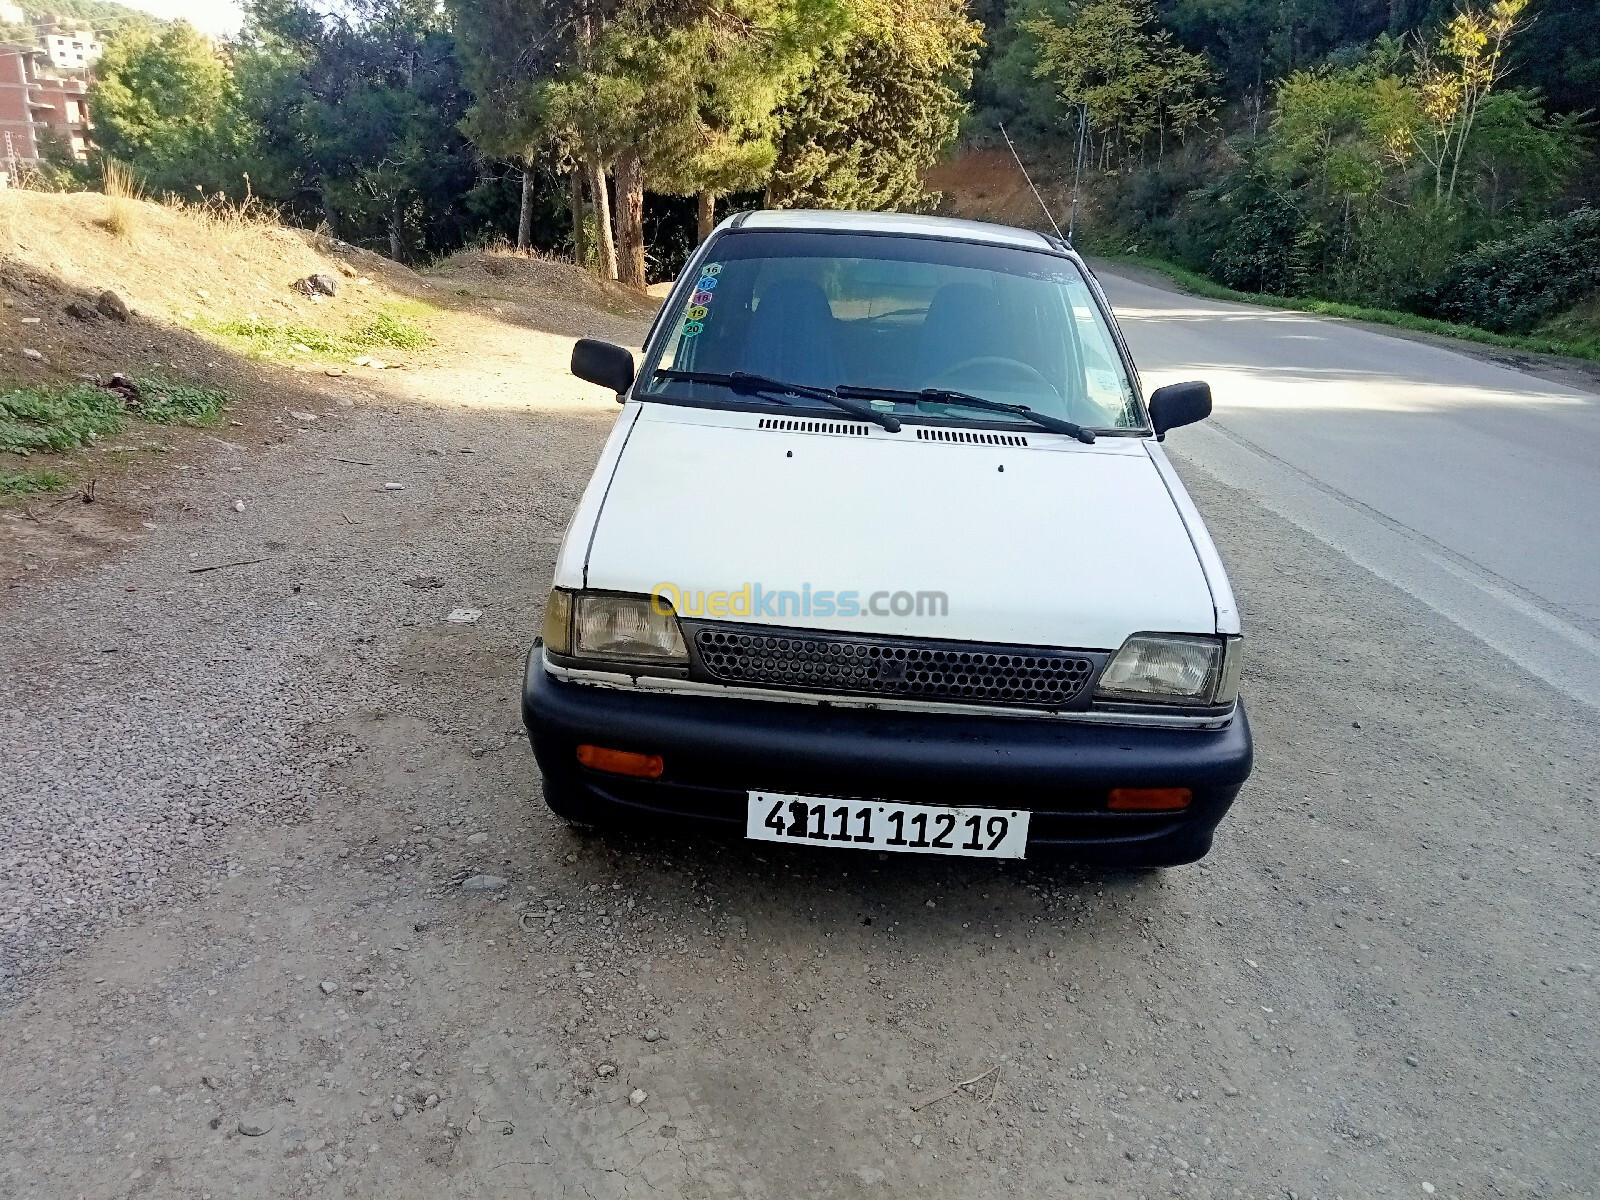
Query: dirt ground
x=1381, y=983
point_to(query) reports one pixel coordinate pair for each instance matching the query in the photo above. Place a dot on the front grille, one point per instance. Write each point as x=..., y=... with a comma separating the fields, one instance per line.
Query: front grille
x=808, y=660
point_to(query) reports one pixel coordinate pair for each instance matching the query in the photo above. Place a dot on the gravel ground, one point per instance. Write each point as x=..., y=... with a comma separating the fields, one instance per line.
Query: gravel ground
x=283, y=915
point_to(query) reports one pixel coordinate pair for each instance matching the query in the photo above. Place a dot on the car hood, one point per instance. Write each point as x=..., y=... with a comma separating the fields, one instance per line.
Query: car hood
x=1043, y=541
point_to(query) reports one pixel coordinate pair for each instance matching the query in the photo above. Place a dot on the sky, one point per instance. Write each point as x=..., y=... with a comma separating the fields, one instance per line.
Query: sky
x=211, y=16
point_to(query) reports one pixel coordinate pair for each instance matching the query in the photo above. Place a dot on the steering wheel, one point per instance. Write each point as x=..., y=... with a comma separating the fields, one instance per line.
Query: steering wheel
x=983, y=368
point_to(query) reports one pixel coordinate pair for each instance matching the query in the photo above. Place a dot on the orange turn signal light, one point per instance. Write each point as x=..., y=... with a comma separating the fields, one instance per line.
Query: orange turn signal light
x=621, y=762
x=1149, y=799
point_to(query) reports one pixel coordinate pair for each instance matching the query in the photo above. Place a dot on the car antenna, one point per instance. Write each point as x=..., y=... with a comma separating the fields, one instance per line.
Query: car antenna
x=1067, y=237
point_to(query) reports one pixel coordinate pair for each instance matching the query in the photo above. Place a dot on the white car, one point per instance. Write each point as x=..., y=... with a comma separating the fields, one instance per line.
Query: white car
x=884, y=553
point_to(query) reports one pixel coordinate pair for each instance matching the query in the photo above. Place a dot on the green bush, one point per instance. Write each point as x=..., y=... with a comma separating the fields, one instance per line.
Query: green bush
x=1395, y=257
x=1513, y=285
x=1266, y=244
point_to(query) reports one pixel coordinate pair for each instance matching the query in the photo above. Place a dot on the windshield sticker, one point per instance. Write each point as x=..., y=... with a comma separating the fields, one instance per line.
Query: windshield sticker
x=700, y=302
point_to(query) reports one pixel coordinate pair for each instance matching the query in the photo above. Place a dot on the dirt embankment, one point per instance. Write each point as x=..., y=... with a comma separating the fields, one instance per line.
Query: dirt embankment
x=209, y=300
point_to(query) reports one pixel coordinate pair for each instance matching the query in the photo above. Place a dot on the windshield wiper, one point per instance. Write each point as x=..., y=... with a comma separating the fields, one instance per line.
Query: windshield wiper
x=739, y=381
x=967, y=400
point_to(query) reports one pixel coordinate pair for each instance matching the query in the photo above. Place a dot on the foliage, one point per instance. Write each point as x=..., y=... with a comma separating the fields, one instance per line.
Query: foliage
x=1265, y=245
x=106, y=18
x=166, y=402
x=64, y=417
x=1578, y=336
x=878, y=110
x=361, y=108
x=29, y=483
x=282, y=339
x=1371, y=175
x=57, y=418
x=165, y=104
x=1127, y=76
x=1515, y=285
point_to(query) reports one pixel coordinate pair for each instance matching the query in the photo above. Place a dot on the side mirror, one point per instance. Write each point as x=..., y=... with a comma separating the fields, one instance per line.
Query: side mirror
x=603, y=363
x=1174, y=405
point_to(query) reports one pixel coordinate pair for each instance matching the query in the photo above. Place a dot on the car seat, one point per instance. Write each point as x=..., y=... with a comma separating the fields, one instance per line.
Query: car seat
x=792, y=335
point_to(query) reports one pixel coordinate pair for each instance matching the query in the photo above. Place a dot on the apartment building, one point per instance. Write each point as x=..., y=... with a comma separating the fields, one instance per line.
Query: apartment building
x=35, y=96
x=70, y=49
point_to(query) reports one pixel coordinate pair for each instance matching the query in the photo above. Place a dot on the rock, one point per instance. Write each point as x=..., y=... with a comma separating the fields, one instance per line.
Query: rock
x=329, y=987
x=255, y=1124
x=464, y=616
x=605, y=1070
x=477, y=839
x=652, y=1035
x=394, y=487
x=317, y=285
x=33, y=354
x=1428, y=1188
x=80, y=311
x=305, y=417
x=111, y=305
x=399, y=1110
x=483, y=883
x=637, y=1097
x=238, y=506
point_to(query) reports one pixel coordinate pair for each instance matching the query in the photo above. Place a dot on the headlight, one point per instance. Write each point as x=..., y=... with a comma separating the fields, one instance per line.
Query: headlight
x=1173, y=668
x=612, y=628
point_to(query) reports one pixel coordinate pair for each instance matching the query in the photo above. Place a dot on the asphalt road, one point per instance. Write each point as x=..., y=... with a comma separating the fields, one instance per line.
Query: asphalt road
x=1469, y=484
x=1380, y=984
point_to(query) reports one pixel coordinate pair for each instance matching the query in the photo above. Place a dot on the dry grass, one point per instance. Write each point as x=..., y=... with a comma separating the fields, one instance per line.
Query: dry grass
x=222, y=215
x=122, y=188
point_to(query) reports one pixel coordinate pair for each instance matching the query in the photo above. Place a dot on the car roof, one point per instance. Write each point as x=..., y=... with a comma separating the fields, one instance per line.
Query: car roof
x=904, y=224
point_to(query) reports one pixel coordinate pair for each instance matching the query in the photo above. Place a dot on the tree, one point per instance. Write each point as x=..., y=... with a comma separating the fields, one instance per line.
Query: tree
x=363, y=107
x=166, y=103
x=878, y=110
x=1124, y=74
x=1454, y=80
x=508, y=47
x=682, y=97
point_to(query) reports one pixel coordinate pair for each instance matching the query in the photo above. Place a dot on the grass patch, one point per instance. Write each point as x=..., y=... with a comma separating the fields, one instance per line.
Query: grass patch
x=30, y=483
x=1555, y=339
x=284, y=339
x=180, y=403
x=65, y=417
x=57, y=418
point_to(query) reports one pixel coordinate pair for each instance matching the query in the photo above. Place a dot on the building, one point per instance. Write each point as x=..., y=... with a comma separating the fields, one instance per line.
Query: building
x=69, y=48
x=34, y=98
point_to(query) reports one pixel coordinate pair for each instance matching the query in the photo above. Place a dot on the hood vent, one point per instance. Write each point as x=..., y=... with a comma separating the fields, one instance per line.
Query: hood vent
x=795, y=425
x=925, y=434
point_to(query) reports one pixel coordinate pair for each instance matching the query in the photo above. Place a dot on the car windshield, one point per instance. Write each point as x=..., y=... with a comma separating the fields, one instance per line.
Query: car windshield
x=902, y=314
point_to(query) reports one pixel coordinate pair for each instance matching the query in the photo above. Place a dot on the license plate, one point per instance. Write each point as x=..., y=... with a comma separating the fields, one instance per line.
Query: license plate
x=879, y=825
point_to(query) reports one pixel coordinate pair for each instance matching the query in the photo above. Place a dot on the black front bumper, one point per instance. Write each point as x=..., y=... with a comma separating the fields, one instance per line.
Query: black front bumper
x=716, y=750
